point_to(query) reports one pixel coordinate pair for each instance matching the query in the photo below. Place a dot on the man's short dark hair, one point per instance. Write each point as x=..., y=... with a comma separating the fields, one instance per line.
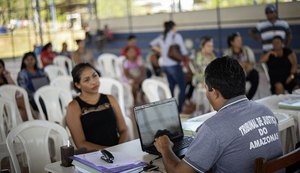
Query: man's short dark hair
x=227, y=76
x=277, y=37
x=131, y=36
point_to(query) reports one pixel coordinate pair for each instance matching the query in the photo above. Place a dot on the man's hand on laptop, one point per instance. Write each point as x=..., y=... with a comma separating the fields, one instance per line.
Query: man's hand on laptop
x=163, y=143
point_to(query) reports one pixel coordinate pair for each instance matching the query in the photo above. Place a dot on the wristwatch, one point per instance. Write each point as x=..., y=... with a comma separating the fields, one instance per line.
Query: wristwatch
x=292, y=76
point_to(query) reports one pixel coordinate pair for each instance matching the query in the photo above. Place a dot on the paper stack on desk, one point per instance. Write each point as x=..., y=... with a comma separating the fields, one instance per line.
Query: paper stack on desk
x=91, y=162
x=290, y=104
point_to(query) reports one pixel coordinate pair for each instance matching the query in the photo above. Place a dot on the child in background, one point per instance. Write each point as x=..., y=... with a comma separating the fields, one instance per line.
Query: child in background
x=131, y=42
x=134, y=72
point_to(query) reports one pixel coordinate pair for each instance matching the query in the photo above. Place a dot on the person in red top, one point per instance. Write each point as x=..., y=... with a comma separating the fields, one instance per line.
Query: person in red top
x=47, y=54
x=131, y=42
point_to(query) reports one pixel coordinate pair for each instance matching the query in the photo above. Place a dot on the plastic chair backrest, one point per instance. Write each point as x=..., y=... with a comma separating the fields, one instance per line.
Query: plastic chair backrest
x=107, y=86
x=54, y=71
x=64, y=62
x=34, y=136
x=10, y=91
x=8, y=118
x=151, y=88
x=265, y=68
x=108, y=65
x=55, y=100
x=64, y=82
x=119, y=67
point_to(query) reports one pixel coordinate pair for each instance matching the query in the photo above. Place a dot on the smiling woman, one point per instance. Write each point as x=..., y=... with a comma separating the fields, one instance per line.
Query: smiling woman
x=95, y=120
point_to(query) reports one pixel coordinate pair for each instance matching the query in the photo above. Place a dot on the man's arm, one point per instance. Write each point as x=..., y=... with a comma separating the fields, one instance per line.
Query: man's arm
x=253, y=33
x=171, y=162
x=288, y=39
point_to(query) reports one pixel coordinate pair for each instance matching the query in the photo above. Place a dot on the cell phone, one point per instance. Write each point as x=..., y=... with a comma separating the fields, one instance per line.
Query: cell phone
x=149, y=168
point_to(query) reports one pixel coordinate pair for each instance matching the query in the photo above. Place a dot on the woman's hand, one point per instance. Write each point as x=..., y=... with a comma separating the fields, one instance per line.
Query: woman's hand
x=290, y=78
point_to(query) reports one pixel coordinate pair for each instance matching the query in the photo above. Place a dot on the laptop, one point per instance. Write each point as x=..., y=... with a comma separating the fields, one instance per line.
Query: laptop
x=38, y=82
x=159, y=118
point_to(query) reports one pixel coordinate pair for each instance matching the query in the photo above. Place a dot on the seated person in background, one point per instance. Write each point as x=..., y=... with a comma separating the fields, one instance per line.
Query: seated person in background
x=131, y=42
x=282, y=67
x=82, y=55
x=95, y=120
x=246, y=58
x=231, y=140
x=5, y=78
x=64, y=50
x=134, y=73
x=107, y=33
x=203, y=58
x=29, y=70
x=47, y=55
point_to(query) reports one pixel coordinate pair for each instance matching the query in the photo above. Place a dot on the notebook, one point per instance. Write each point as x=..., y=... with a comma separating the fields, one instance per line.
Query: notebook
x=161, y=117
x=38, y=82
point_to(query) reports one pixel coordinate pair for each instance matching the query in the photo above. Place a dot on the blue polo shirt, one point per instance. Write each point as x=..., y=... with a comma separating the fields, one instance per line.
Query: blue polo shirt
x=231, y=140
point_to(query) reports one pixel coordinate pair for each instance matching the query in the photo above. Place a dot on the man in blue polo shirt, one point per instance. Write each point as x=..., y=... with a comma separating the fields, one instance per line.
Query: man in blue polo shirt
x=265, y=31
x=231, y=140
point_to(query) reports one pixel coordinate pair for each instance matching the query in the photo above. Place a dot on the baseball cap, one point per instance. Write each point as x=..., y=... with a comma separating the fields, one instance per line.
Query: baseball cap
x=270, y=8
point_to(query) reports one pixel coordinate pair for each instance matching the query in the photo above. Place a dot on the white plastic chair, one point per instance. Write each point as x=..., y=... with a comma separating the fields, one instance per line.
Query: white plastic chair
x=107, y=65
x=107, y=86
x=8, y=117
x=265, y=68
x=119, y=67
x=64, y=62
x=55, y=100
x=8, y=121
x=34, y=136
x=285, y=123
x=10, y=91
x=151, y=89
x=64, y=82
x=54, y=71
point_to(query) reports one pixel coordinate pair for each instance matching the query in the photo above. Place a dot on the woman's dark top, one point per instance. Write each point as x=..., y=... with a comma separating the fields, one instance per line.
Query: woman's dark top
x=279, y=67
x=99, y=122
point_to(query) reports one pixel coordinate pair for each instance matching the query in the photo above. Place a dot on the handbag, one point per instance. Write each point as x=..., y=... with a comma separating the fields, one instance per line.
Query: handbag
x=174, y=52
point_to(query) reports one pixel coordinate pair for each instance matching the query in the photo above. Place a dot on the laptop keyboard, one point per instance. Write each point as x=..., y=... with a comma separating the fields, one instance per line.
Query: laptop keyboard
x=184, y=143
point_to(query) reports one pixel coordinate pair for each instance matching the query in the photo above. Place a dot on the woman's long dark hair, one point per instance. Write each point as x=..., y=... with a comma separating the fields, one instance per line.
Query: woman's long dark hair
x=3, y=78
x=169, y=25
x=26, y=55
x=46, y=46
x=231, y=38
x=77, y=70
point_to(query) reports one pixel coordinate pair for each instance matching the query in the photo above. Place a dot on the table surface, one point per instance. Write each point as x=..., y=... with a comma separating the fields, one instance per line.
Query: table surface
x=133, y=148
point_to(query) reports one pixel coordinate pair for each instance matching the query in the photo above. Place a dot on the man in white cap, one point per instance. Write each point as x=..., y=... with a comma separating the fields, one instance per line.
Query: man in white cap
x=265, y=31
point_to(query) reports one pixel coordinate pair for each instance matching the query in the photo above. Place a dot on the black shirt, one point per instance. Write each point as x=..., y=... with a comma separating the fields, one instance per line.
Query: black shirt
x=279, y=67
x=99, y=122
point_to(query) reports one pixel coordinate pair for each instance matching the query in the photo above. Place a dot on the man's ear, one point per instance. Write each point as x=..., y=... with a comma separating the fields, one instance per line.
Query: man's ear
x=216, y=93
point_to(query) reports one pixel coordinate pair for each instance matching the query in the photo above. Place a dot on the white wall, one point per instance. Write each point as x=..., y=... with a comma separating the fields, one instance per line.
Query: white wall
x=204, y=19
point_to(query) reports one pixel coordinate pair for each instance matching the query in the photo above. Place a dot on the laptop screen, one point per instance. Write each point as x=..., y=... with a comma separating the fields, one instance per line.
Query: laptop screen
x=38, y=82
x=161, y=116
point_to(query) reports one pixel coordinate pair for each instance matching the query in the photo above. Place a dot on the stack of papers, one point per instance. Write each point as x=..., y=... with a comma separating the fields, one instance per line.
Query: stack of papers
x=290, y=104
x=91, y=162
